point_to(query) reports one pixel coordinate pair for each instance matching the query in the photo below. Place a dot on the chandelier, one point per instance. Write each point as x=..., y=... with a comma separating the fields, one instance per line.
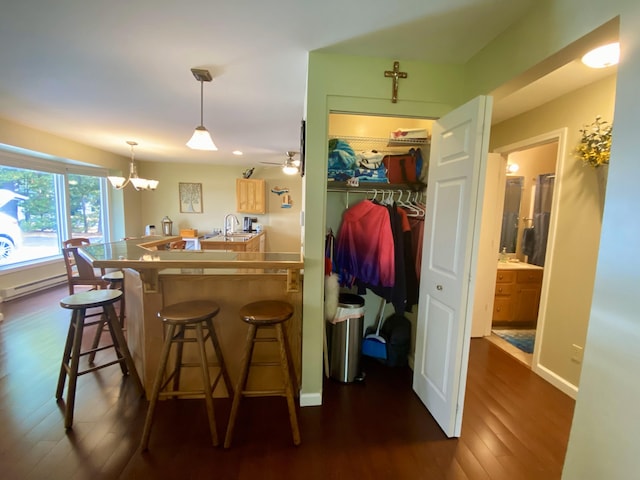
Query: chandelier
x=137, y=182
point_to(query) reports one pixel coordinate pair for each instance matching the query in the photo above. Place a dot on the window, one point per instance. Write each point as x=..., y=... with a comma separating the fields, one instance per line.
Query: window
x=43, y=202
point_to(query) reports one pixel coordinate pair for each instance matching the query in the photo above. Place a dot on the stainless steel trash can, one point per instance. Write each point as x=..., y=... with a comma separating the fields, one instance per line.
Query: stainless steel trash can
x=346, y=339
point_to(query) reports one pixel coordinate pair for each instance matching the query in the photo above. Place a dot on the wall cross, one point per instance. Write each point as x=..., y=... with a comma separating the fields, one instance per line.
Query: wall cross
x=395, y=74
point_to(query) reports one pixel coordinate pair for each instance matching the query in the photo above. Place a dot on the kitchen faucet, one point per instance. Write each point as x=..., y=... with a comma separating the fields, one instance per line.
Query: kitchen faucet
x=234, y=220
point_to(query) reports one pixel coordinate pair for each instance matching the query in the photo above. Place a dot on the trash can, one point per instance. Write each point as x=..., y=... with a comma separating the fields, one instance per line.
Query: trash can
x=346, y=339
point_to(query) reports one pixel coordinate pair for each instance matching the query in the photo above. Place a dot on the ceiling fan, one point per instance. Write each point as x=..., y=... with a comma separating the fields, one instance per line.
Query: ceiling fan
x=290, y=166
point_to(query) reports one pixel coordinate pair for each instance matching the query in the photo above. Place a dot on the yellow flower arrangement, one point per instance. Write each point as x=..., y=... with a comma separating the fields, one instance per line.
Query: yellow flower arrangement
x=595, y=145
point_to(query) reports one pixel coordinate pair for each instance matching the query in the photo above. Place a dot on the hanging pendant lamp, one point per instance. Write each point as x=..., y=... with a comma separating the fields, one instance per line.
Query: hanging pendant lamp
x=201, y=139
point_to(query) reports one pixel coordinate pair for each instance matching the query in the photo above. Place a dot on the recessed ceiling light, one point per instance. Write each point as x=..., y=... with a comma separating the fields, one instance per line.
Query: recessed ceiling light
x=604, y=56
x=237, y=152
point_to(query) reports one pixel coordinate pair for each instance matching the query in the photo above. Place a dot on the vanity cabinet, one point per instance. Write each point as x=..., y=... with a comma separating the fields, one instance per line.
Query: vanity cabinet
x=517, y=296
x=250, y=195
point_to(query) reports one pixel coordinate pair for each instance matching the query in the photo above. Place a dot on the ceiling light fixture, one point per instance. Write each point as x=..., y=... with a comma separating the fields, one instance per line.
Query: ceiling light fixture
x=201, y=139
x=137, y=182
x=604, y=56
x=290, y=169
x=512, y=168
x=291, y=166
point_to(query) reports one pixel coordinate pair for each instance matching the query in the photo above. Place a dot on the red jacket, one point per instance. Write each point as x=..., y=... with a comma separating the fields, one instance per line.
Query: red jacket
x=365, y=248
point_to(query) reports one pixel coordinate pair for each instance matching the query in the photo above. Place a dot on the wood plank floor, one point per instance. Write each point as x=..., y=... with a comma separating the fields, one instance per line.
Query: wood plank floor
x=515, y=425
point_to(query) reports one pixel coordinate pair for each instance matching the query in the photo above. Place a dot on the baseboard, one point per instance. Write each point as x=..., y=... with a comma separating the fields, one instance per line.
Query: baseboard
x=17, y=291
x=310, y=399
x=557, y=381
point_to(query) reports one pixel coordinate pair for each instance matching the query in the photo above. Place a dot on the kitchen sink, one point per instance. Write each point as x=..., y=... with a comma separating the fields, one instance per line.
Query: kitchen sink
x=231, y=237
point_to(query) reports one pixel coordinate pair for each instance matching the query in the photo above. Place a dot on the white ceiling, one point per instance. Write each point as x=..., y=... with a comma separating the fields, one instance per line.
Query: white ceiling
x=105, y=72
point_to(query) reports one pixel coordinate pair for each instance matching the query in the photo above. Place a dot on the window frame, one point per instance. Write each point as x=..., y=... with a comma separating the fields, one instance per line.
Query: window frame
x=24, y=159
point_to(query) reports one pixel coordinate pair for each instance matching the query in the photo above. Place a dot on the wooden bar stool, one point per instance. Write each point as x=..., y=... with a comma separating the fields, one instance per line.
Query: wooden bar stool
x=259, y=315
x=78, y=303
x=115, y=280
x=179, y=318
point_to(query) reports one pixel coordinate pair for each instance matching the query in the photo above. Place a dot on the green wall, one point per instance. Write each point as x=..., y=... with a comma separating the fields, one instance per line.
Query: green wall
x=604, y=436
x=355, y=85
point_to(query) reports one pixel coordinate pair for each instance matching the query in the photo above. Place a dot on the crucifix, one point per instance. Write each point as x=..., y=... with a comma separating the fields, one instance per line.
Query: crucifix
x=395, y=74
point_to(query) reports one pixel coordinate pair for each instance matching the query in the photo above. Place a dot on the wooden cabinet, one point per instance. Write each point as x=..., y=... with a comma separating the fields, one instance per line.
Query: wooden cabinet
x=517, y=296
x=250, y=195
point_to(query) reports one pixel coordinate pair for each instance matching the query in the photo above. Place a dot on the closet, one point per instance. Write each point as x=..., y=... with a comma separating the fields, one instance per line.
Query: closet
x=368, y=134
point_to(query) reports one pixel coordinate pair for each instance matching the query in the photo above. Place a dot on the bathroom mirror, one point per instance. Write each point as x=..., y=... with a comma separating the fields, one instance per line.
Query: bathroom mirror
x=511, y=214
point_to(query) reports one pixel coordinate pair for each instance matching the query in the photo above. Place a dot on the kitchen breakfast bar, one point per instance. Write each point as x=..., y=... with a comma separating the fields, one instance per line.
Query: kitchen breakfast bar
x=155, y=277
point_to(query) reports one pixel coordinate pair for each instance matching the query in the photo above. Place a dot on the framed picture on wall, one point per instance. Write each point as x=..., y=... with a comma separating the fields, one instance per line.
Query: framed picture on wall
x=190, y=197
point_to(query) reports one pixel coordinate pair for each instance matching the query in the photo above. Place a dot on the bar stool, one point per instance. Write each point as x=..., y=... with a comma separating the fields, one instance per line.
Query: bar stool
x=78, y=303
x=115, y=280
x=179, y=318
x=259, y=315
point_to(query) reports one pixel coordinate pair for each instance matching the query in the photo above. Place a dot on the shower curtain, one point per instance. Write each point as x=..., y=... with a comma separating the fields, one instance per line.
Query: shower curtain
x=542, y=216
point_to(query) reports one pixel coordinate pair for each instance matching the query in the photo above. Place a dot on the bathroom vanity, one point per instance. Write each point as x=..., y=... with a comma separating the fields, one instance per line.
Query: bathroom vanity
x=517, y=294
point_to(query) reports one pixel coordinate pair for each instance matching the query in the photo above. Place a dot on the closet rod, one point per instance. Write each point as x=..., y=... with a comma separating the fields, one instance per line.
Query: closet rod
x=374, y=191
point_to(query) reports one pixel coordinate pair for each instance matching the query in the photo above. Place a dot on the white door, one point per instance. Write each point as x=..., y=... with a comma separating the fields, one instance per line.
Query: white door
x=454, y=201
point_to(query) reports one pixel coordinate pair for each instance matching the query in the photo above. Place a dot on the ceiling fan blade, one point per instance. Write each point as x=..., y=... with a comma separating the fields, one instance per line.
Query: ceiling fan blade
x=272, y=163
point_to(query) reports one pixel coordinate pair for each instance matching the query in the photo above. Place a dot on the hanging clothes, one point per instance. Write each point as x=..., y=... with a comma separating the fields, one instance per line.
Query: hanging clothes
x=374, y=250
x=365, y=247
x=417, y=237
x=329, y=253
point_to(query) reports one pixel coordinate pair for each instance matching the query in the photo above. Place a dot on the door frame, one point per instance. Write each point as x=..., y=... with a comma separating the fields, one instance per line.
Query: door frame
x=559, y=136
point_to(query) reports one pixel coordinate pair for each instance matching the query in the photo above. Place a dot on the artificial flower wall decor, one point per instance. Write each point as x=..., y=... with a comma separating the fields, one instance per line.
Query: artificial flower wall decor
x=595, y=145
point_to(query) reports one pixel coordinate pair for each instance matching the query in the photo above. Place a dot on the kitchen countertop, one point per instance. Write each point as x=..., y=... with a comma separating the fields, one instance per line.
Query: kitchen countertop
x=140, y=254
x=235, y=237
x=148, y=256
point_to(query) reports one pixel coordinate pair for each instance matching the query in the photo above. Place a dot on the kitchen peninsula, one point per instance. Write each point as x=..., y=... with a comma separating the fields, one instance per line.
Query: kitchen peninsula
x=155, y=277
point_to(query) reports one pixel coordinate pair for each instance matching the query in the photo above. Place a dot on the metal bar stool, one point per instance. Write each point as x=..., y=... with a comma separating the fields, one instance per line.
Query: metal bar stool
x=179, y=318
x=115, y=280
x=259, y=315
x=78, y=303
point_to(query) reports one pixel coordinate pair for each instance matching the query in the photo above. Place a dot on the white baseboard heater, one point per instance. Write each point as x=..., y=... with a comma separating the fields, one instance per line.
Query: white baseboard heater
x=18, y=291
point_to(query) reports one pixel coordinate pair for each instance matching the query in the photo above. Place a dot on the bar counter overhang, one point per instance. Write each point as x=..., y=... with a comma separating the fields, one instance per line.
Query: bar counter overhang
x=155, y=277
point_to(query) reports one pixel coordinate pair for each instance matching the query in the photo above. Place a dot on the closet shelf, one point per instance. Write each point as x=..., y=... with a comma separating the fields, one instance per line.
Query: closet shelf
x=382, y=145
x=370, y=186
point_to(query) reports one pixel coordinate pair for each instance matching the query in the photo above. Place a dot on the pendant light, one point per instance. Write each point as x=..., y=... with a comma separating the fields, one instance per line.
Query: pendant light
x=201, y=140
x=138, y=183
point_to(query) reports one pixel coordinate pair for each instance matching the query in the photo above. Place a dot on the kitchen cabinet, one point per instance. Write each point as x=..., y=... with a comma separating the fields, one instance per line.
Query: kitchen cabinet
x=250, y=195
x=517, y=296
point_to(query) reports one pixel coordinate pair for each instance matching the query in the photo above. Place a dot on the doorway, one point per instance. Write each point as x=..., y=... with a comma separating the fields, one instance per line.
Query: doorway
x=528, y=215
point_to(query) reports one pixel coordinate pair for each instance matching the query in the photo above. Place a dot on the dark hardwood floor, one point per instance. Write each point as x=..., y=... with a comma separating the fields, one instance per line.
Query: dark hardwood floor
x=515, y=425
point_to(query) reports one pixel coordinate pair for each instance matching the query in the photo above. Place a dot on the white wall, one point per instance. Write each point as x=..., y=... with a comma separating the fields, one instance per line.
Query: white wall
x=606, y=427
